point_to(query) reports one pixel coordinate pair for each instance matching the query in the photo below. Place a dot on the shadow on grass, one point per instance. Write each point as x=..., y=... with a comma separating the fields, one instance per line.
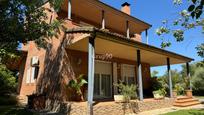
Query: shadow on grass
x=14, y=110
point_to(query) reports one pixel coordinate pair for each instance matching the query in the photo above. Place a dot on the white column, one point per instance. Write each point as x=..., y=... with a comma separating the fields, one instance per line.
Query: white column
x=127, y=29
x=91, y=63
x=139, y=75
x=188, y=74
x=103, y=23
x=69, y=10
x=169, y=76
x=147, y=38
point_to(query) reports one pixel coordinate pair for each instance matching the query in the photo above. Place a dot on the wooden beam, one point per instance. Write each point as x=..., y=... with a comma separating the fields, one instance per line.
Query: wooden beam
x=139, y=74
x=91, y=64
x=169, y=76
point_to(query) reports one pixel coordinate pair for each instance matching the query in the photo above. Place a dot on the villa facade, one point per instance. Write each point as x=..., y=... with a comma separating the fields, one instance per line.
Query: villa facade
x=101, y=42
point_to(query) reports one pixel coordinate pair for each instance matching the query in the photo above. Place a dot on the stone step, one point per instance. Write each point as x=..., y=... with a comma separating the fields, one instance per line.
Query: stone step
x=183, y=97
x=186, y=104
x=186, y=100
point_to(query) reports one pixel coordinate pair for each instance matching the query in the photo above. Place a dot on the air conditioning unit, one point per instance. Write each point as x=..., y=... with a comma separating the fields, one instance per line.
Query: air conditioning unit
x=35, y=61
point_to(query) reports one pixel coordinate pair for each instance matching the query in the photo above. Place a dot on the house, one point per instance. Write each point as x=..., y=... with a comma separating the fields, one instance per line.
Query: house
x=101, y=42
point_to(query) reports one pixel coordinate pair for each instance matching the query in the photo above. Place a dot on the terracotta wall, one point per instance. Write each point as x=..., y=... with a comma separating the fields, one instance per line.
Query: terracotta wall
x=51, y=60
x=58, y=65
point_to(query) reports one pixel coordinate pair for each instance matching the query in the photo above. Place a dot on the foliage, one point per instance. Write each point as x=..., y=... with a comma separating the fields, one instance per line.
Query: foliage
x=154, y=73
x=8, y=100
x=77, y=84
x=200, y=50
x=128, y=91
x=7, y=81
x=156, y=84
x=188, y=19
x=179, y=89
x=161, y=91
x=22, y=21
x=176, y=78
x=198, y=79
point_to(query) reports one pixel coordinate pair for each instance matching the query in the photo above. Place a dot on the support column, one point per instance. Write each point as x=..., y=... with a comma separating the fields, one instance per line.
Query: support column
x=69, y=10
x=91, y=63
x=127, y=29
x=139, y=75
x=147, y=38
x=103, y=20
x=188, y=75
x=169, y=76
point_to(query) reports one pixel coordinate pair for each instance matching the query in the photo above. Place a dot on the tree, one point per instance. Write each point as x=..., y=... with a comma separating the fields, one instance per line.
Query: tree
x=154, y=73
x=7, y=81
x=189, y=18
x=22, y=21
x=198, y=81
x=176, y=78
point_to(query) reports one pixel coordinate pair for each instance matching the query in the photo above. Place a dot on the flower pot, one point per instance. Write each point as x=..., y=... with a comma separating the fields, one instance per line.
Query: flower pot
x=174, y=93
x=119, y=98
x=189, y=93
x=157, y=95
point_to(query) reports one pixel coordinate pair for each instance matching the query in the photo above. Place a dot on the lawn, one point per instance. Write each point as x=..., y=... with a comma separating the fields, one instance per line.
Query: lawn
x=187, y=112
x=199, y=97
x=14, y=110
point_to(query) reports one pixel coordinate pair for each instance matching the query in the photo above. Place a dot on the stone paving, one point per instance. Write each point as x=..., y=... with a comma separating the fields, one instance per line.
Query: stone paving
x=171, y=109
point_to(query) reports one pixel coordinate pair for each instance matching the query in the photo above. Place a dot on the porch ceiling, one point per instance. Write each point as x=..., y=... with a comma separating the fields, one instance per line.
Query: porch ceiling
x=124, y=51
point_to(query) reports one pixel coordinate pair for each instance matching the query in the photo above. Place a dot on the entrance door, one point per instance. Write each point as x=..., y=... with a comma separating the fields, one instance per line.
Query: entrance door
x=103, y=80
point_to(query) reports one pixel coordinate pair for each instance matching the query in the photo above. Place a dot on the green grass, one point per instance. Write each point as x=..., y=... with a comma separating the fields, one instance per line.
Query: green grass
x=199, y=97
x=14, y=110
x=187, y=112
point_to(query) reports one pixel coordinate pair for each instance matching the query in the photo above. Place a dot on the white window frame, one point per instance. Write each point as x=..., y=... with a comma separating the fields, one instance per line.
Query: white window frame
x=100, y=77
x=125, y=77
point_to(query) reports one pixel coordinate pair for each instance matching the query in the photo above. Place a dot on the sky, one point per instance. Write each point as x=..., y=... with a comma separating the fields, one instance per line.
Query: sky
x=154, y=12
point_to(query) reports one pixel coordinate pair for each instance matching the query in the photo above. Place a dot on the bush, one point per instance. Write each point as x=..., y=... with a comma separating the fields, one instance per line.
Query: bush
x=198, y=81
x=128, y=91
x=8, y=100
x=7, y=81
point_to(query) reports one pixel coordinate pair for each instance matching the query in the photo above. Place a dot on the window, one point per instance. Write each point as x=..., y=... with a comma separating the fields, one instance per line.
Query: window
x=32, y=74
x=128, y=74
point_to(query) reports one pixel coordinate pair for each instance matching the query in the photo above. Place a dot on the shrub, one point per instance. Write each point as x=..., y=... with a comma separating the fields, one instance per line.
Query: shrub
x=128, y=91
x=198, y=81
x=7, y=81
x=8, y=100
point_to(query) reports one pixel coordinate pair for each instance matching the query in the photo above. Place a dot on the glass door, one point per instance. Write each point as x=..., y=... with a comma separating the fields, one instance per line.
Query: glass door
x=102, y=86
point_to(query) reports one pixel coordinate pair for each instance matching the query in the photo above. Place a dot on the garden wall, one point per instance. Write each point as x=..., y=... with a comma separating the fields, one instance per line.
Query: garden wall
x=107, y=108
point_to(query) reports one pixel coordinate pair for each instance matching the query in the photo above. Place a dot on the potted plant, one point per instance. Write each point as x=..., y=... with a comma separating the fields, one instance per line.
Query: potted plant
x=77, y=84
x=126, y=92
x=178, y=90
x=159, y=94
x=158, y=87
x=188, y=91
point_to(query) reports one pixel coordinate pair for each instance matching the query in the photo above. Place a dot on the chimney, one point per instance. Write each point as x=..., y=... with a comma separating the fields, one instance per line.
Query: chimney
x=125, y=8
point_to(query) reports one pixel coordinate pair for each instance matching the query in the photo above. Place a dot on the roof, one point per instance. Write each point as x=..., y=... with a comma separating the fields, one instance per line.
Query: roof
x=115, y=20
x=122, y=39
